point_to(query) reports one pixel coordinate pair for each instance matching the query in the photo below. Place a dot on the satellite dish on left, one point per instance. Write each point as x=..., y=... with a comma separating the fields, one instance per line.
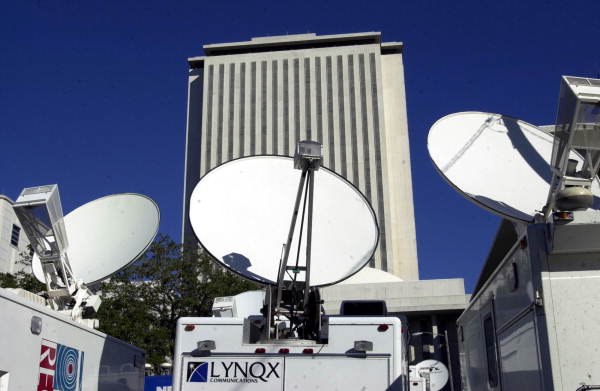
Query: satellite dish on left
x=88, y=245
x=106, y=235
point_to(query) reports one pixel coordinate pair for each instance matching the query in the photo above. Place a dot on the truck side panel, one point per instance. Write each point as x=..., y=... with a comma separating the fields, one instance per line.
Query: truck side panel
x=572, y=303
x=519, y=355
x=508, y=302
x=338, y=373
x=306, y=365
x=63, y=351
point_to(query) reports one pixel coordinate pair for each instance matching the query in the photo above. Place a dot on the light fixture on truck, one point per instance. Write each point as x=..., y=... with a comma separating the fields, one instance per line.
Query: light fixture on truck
x=562, y=217
x=203, y=348
x=363, y=346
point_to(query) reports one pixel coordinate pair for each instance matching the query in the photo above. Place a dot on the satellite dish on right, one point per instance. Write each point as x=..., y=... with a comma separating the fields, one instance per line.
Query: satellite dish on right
x=498, y=162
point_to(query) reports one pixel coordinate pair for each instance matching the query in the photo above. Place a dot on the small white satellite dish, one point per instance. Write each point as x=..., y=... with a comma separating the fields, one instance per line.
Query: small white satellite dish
x=497, y=162
x=106, y=235
x=433, y=371
x=241, y=213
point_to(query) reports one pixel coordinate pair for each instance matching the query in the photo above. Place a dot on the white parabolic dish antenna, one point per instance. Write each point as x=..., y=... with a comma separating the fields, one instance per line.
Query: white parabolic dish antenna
x=106, y=235
x=498, y=162
x=436, y=371
x=241, y=213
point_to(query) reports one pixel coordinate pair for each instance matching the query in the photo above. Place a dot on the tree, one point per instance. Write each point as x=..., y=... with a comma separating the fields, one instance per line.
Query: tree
x=22, y=279
x=142, y=303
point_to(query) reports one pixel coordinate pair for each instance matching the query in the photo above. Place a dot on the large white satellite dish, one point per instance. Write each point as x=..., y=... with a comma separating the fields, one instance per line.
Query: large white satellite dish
x=498, y=162
x=106, y=235
x=241, y=211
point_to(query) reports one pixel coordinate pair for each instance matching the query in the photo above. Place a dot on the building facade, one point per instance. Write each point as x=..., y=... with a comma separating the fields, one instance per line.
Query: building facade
x=13, y=240
x=345, y=91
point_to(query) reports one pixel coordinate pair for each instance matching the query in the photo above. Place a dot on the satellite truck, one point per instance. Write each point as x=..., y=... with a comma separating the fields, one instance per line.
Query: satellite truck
x=279, y=338
x=534, y=318
x=50, y=341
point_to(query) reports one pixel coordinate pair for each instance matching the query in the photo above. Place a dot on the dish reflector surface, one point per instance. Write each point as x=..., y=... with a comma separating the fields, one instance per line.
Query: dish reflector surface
x=498, y=162
x=106, y=235
x=241, y=213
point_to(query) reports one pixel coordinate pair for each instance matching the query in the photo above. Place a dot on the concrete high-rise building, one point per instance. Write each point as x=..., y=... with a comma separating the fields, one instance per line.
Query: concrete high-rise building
x=345, y=91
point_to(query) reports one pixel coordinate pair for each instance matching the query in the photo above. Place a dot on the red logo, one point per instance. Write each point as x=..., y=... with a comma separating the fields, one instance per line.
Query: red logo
x=47, y=366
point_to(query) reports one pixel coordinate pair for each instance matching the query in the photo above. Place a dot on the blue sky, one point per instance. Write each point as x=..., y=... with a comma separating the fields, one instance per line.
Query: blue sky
x=93, y=94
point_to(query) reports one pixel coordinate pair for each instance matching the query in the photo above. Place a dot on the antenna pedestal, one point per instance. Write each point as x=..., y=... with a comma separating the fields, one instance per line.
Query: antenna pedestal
x=292, y=298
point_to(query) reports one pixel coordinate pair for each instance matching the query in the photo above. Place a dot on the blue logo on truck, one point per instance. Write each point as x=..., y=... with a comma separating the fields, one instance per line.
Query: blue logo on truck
x=197, y=372
x=238, y=371
x=60, y=367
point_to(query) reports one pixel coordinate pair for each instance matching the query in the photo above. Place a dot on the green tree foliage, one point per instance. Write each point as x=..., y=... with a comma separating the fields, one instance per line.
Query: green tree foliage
x=22, y=279
x=142, y=303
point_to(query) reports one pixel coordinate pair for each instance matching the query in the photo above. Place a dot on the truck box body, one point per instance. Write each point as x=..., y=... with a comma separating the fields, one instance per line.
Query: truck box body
x=290, y=364
x=533, y=322
x=45, y=350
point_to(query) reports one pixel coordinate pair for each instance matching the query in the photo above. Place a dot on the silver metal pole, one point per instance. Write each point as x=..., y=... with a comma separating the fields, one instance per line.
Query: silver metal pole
x=289, y=239
x=311, y=189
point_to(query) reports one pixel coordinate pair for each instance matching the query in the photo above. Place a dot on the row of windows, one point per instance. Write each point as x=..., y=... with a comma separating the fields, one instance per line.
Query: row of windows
x=14, y=235
x=343, y=85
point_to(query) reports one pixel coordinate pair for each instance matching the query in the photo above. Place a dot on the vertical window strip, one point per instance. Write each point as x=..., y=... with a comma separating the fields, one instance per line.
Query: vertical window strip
x=220, y=110
x=307, y=98
x=296, y=99
x=319, y=99
x=275, y=109
x=381, y=197
x=15, y=234
x=352, y=90
x=286, y=110
x=242, y=130
x=231, y=108
x=209, y=135
x=365, y=126
x=328, y=75
x=253, y=108
x=263, y=107
x=342, y=129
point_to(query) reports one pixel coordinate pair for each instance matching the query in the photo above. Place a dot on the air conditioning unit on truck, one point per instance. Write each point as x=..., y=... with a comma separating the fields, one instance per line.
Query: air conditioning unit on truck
x=533, y=321
x=49, y=341
x=240, y=212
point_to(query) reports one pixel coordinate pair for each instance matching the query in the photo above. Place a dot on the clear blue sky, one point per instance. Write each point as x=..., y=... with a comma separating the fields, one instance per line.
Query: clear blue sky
x=93, y=93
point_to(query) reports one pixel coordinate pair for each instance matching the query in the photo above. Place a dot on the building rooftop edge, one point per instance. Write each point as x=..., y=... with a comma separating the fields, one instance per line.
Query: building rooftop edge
x=6, y=198
x=294, y=42
x=293, y=39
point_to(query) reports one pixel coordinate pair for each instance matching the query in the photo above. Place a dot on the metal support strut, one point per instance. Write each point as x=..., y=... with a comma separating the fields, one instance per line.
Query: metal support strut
x=308, y=159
